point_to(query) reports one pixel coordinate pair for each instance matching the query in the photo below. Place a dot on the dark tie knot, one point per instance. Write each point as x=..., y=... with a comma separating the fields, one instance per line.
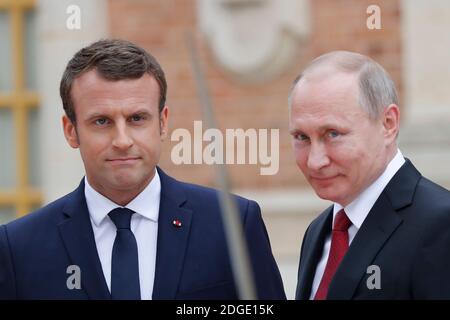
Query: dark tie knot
x=121, y=217
x=341, y=222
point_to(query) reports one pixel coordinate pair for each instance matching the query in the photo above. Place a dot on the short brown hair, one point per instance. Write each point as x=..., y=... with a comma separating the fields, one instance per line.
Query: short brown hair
x=114, y=60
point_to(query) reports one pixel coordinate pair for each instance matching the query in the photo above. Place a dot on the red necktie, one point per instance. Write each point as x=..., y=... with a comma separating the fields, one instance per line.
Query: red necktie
x=339, y=246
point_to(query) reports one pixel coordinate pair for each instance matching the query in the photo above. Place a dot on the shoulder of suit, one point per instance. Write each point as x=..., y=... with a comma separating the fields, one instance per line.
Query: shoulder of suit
x=434, y=196
x=40, y=216
x=206, y=192
x=431, y=187
x=194, y=190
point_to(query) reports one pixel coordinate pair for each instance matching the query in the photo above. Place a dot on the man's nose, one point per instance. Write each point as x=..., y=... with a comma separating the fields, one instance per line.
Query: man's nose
x=318, y=157
x=122, y=138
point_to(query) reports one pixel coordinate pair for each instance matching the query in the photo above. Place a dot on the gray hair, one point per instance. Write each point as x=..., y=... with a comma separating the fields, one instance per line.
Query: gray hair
x=377, y=90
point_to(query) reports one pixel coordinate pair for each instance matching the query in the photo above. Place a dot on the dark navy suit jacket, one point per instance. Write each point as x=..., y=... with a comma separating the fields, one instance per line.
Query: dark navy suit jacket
x=192, y=261
x=406, y=234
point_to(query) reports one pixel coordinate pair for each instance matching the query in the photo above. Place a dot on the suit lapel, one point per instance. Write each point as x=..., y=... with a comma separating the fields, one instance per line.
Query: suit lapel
x=381, y=222
x=78, y=237
x=172, y=239
x=312, y=252
x=376, y=229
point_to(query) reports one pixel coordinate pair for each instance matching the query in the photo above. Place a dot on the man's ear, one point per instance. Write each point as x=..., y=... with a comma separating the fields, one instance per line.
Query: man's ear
x=70, y=132
x=164, y=122
x=391, y=122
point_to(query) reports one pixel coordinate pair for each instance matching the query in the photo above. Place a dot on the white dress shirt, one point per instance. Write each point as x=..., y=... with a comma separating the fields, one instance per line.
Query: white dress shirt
x=144, y=224
x=357, y=212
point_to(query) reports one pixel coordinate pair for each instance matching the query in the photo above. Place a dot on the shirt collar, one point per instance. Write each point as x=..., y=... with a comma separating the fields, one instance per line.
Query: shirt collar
x=145, y=204
x=359, y=208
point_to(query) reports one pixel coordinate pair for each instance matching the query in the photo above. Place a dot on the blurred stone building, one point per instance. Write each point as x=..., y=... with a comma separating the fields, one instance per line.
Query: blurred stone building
x=250, y=50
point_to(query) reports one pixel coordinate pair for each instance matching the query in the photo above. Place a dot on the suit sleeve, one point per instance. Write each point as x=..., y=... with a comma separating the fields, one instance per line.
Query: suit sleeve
x=267, y=277
x=7, y=277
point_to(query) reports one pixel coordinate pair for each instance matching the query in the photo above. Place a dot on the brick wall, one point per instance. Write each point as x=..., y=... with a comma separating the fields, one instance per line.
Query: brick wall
x=161, y=26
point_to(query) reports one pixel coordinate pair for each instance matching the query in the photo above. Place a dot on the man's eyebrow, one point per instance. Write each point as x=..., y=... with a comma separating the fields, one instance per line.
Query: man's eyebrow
x=322, y=128
x=140, y=111
x=328, y=126
x=295, y=131
x=104, y=115
x=96, y=115
x=335, y=126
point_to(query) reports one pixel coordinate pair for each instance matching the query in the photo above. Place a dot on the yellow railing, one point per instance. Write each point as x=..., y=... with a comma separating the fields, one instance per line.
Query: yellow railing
x=23, y=197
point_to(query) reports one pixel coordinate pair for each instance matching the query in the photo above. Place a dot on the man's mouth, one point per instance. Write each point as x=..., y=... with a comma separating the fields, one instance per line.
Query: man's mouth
x=322, y=179
x=123, y=160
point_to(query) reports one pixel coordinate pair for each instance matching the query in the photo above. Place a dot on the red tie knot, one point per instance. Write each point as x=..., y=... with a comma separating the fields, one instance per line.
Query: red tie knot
x=341, y=221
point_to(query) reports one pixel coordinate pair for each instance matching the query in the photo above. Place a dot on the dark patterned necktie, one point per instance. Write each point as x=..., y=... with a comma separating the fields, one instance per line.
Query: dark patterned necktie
x=124, y=262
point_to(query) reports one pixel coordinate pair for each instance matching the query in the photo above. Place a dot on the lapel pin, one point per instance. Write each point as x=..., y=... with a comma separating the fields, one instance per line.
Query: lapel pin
x=176, y=223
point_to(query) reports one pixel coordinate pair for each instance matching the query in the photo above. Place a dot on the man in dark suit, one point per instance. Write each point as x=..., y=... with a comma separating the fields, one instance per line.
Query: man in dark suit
x=129, y=231
x=387, y=234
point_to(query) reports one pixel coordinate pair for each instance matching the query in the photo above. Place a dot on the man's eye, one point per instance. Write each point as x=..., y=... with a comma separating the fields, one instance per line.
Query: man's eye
x=301, y=137
x=333, y=134
x=136, y=118
x=100, y=121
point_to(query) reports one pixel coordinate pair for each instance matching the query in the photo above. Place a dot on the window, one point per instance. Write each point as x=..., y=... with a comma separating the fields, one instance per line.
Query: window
x=19, y=101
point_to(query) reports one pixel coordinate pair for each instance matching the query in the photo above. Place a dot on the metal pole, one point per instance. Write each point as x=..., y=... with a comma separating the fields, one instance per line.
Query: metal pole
x=237, y=246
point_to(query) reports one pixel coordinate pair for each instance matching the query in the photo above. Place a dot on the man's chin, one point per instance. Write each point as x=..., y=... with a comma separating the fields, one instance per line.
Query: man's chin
x=128, y=182
x=124, y=186
x=124, y=183
x=325, y=194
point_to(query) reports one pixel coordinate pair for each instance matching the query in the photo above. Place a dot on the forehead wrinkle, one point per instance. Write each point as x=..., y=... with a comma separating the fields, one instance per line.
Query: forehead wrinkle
x=334, y=94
